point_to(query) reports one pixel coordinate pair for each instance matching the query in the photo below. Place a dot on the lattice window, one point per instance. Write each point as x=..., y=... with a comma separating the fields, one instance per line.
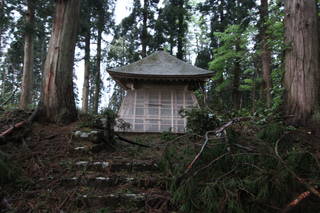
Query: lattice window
x=156, y=110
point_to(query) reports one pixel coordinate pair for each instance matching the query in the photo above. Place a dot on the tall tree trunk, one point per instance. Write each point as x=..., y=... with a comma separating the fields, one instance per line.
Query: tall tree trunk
x=236, y=81
x=171, y=42
x=27, y=79
x=265, y=53
x=301, y=78
x=57, y=101
x=85, y=88
x=1, y=24
x=96, y=97
x=181, y=31
x=1, y=35
x=144, y=35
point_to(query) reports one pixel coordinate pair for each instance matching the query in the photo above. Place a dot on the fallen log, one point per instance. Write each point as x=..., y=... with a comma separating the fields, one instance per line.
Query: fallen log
x=10, y=130
x=18, y=125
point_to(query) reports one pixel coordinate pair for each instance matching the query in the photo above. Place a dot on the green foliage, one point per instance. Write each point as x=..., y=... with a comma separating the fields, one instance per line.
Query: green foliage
x=241, y=181
x=176, y=157
x=233, y=55
x=271, y=132
x=8, y=172
x=167, y=136
x=200, y=120
x=226, y=53
x=109, y=113
x=93, y=120
x=123, y=125
x=104, y=210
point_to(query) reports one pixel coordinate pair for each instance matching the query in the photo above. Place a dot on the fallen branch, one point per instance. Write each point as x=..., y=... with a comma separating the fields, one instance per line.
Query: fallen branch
x=19, y=125
x=296, y=201
x=8, y=131
x=131, y=142
x=66, y=199
x=310, y=188
x=216, y=131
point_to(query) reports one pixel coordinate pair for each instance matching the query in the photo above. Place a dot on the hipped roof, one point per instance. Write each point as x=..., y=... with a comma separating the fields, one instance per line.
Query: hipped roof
x=160, y=65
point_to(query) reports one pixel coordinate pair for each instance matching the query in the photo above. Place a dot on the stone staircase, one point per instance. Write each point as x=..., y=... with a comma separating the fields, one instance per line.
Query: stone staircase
x=126, y=180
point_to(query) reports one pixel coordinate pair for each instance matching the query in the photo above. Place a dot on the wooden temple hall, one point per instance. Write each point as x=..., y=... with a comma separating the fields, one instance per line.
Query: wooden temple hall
x=157, y=88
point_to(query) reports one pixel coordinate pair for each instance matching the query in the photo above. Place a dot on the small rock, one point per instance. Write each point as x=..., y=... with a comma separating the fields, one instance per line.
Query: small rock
x=84, y=135
x=103, y=164
x=103, y=178
x=82, y=163
x=77, y=133
x=93, y=132
x=80, y=148
x=135, y=196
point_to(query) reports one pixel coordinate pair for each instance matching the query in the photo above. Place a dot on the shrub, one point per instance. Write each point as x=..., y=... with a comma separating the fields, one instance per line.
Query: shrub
x=200, y=120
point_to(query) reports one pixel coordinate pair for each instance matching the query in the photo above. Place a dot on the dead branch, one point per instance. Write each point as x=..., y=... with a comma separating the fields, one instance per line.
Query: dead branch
x=307, y=185
x=66, y=199
x=10, y=130
x=216, y=131
x=19, y=125
x=130, y=142
x=296, y=201
x=157, y=202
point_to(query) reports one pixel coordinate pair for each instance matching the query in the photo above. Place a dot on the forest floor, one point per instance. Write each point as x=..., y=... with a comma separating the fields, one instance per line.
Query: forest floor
x=56, y=170
x=59, y=173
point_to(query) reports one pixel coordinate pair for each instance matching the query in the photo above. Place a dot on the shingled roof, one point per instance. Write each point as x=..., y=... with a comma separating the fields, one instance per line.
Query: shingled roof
x=160, y=65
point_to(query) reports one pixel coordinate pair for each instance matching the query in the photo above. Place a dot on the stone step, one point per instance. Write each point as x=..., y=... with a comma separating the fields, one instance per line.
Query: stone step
x=89, y=135
x=117, y=166
x=109, y=181
x=125, y=200
x=153, y=200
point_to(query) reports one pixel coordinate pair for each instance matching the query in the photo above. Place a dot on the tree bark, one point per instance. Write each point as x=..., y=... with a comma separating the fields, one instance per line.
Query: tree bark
x=301, y=78
x=144, y=35
x=1, y=25
x=27, y=79
x=58, y=104
x=265, y=53
x=181, y=31
x=85, y=88
x=3, y=87
x=96, y=97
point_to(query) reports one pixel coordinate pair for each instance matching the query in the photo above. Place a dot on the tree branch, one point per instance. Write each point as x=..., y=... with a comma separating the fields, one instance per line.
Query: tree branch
x=130, y=142
x=216, y=131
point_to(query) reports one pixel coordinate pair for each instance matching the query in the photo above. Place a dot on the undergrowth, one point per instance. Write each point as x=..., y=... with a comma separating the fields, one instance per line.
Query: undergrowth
x=238, y=173
x=8, y=171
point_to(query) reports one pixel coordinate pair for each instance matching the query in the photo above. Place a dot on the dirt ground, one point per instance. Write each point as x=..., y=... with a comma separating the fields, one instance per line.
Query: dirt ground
x=57, y=172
